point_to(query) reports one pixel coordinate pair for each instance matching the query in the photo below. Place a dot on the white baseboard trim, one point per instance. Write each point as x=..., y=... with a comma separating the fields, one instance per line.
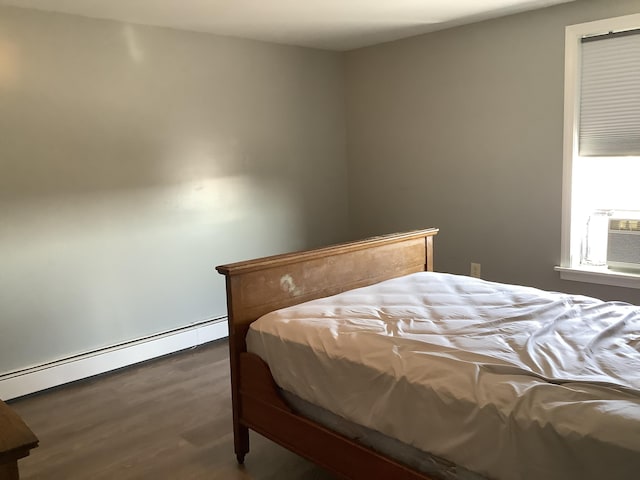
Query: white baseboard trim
x=41, y=377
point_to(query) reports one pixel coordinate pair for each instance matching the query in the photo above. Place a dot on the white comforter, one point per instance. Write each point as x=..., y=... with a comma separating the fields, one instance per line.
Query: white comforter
x=511, y=382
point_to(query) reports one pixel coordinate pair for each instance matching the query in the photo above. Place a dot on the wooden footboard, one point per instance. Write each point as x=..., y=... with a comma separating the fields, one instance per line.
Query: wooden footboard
x=259, y=286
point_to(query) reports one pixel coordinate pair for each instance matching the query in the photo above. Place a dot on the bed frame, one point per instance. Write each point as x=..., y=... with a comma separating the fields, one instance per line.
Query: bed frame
x=256, y=287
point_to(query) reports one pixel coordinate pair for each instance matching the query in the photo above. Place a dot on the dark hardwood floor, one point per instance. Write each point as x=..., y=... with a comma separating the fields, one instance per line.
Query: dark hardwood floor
x=169, y=418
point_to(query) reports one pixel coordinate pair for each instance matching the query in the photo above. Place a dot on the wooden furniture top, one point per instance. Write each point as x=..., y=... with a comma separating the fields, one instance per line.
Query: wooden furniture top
x=301, y=256
x=16, y=439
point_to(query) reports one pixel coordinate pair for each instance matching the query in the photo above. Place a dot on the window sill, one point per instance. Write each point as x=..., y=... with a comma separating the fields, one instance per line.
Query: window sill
x=601, y=275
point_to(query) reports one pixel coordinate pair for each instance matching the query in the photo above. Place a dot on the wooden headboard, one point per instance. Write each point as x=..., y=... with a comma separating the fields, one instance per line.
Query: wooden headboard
x=256, y=287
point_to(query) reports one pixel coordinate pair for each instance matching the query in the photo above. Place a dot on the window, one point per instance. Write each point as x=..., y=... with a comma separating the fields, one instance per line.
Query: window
x=601, y=173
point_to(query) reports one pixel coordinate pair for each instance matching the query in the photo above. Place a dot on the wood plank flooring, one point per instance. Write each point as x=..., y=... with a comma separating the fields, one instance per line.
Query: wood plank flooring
x=169, y=418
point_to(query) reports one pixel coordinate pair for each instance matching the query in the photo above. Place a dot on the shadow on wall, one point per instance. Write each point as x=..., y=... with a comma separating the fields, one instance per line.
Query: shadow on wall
x=135, y=159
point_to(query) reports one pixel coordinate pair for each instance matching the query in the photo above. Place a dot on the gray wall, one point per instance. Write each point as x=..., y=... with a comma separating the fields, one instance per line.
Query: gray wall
x=462, y=130
x=135, y=159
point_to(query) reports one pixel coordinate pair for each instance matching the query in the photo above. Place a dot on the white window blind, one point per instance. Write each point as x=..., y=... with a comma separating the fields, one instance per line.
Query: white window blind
x=610, y=95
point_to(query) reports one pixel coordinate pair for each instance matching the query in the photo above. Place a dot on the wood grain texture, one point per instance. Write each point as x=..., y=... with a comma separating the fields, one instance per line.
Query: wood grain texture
x=16, y=441
x=169, y=418
x=256, y=287
x=9, y=470
x=263, y=285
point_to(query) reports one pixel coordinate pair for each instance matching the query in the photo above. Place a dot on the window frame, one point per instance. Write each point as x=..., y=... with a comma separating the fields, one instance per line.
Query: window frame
x=569, y=269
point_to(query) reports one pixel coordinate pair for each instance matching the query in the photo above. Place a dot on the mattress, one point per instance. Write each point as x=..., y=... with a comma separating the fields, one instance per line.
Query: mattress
x=507, y=381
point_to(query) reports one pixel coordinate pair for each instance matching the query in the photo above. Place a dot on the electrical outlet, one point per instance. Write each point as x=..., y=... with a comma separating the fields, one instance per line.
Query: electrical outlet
x=475, y=270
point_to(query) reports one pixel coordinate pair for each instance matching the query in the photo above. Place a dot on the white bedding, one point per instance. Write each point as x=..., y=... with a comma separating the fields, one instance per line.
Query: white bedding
x=510, y=382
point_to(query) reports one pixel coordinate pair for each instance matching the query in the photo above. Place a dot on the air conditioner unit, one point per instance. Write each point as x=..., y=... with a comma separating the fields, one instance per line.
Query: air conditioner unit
x=623, y=243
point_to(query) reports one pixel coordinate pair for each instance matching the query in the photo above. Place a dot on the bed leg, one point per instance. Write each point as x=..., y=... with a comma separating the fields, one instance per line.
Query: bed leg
x=241, y=442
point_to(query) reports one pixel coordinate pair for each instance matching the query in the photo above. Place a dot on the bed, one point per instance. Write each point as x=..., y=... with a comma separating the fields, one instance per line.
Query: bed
x=494, y=380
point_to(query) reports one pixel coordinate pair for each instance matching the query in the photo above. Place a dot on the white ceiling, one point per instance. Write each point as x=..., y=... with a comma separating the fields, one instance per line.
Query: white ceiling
x=327, y=24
